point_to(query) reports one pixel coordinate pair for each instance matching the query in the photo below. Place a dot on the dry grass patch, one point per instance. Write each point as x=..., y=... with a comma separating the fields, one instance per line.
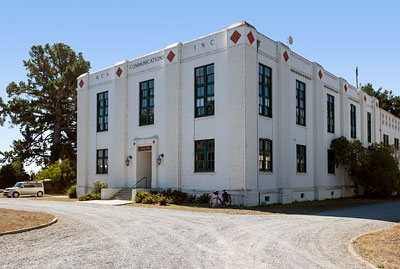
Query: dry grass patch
x=382, y=248
x=16, y=219
x=308, y=207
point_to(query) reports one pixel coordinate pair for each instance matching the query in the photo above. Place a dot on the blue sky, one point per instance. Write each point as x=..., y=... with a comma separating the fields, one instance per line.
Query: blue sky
x=339, y=35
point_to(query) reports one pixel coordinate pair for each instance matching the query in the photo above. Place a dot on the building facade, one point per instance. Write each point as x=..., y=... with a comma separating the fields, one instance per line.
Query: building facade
x=232, y=110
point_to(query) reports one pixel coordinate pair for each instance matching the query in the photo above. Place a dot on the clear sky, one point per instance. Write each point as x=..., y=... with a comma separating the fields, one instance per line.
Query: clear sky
x=339, y=35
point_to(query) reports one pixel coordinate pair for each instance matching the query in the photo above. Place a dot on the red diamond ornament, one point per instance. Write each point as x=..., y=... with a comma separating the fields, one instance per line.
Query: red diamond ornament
x=171, y=56
x=119, y=72
x=365, y=98
x=286, y=56
x=377, y=105
x=320, y=74
x=235, y=37
x=250, y=37
x=345, y=87
x=81, y=83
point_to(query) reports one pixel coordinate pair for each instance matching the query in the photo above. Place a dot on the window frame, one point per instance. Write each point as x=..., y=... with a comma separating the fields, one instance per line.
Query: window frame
x=148, y=97
x=331, y=161
x=206, y=150
x=103, y=158
x=369, y=127
x=264, y=90
x=263, y=151
x=386, y=139
x=102, y=108
x=353, y=121
x=331, y=108
x=301, y=149
x=206, y=95
x=396, y=143
x=298, y=102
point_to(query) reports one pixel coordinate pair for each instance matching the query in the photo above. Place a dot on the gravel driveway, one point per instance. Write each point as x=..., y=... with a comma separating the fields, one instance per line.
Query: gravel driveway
x=94, y=236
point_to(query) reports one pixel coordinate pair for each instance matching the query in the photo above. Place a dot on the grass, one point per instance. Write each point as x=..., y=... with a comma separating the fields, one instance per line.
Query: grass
x=380, y=248
x=16, y=219
x=308, y=207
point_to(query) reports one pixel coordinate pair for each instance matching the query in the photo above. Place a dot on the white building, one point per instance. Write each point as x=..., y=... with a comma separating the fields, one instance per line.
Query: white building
x=232, y=110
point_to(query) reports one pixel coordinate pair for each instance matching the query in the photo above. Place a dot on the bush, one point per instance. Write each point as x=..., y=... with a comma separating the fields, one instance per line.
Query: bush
x=190, y=199
x=98, y=185
x=62, y=177
x=204, y=198
x=72, y=192
x=89, y=196
x=164, y=200
x=141, y=195
x=151, y=199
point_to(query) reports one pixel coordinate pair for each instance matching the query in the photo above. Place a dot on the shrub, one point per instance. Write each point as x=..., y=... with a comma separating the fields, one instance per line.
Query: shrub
x=204, y=198
x=72, y=192
x=178, y=197
x=62, y=177
x=190, y=199
x=89, y=196
x=141, y=195
x=151, y=199
x=98, y=185
x=164, y=200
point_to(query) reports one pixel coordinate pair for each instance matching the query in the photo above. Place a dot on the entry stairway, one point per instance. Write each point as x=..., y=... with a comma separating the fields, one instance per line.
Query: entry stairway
x=123, y=194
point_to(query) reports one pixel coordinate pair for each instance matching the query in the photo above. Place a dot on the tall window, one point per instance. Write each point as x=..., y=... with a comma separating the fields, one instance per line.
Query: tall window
x=396, y=144
x=204, y=155
x=300, y=103
x=331, y=161
x=146, y=102
x=204, y=91
x=331, y=113
x=102, y=111
x=386, y=140
x=369, y=127
x=353, y=130
x=264, y=91
x=102, y=161
x=301, y=158
x=265, y=155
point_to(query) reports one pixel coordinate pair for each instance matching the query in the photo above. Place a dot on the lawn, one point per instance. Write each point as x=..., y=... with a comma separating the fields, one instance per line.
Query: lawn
x=16, y=219
x=382, y=248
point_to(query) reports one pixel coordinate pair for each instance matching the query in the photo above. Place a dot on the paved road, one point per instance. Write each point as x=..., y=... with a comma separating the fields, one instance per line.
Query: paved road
x=94, y=236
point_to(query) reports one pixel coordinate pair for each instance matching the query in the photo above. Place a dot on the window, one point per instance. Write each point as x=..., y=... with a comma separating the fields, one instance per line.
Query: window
x=353, y=130
x=301, y=158
x=331, y=161
x=102, y=111
x=300, y=103
x=102, y=161
x=264, y=91
x=385, y=139
x=204, y=155
x=331, y=113
x=396, y=144
x=369, y=127
x=204, y=91
x=146, y=102
x=265, y=155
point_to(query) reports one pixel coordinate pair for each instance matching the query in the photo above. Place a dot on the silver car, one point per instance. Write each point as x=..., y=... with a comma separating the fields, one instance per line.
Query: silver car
x=25, y=188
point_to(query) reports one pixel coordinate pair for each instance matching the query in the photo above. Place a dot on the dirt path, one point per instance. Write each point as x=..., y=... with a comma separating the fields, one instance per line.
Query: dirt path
x=93, y=236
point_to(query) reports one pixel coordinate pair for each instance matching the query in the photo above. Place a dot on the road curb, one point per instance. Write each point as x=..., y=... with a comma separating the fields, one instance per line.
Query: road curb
x=30, y=228
x=355, y=254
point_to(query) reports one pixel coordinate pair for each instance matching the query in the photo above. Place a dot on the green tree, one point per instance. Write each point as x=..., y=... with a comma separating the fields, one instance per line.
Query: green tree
x=387, y=100
x=44, y=107
x=12, y=173
x=62, y=177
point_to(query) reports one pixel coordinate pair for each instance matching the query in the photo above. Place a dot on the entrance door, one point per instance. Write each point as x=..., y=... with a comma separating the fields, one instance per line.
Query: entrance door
x=144, y=169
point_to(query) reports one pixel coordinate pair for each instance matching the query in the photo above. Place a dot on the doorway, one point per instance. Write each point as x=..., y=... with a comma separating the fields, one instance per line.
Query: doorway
x=144, y=165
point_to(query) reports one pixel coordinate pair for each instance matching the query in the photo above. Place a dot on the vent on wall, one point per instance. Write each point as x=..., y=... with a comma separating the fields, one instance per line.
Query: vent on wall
x=266, y=198
x=332, y=193
x=302, y=195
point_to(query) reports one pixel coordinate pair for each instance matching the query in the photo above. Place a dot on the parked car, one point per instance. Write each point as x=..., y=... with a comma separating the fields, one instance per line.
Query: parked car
x=25, y=188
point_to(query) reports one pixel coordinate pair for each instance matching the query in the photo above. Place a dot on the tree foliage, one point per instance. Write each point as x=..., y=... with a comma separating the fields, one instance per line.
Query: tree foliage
x=387, y=100
x=44, y=107
x=374, y=167
x=12, y=173
x=62, y=177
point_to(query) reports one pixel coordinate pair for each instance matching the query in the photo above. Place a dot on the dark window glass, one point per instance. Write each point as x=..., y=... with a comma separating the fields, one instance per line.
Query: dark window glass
x=102, y=111
x=396, y=144
x=385, y=139
x=102, y=161
x=331, y=161
x=265, y=91
x=369, y=127
x=204, y=91
x=146, y=109
x=301, y=158
x=353, y=131
x=265, y=155
x=300, y=103
x=204, y=155
x=331, y=113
